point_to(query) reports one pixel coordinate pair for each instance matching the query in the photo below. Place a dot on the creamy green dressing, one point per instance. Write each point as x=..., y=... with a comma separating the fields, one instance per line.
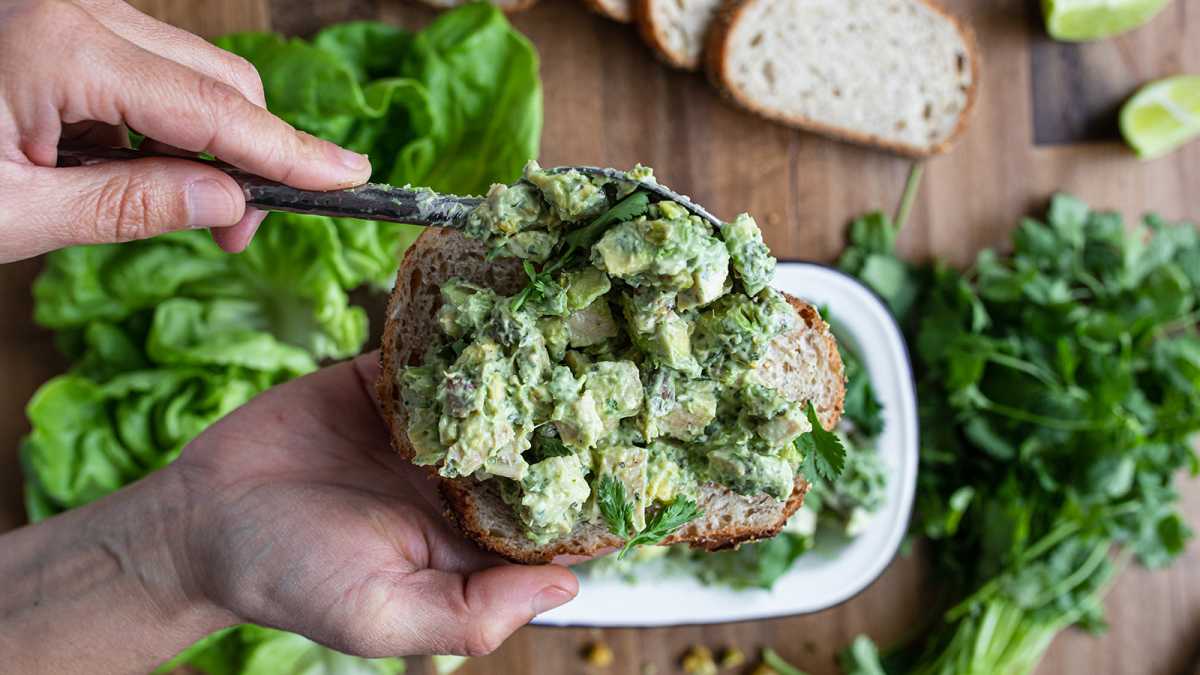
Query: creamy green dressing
x=634, y=358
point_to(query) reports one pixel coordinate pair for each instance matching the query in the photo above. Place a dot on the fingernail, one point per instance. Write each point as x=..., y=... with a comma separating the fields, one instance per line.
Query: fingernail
x=550, y=597
x=347, y=158
x=210, y=204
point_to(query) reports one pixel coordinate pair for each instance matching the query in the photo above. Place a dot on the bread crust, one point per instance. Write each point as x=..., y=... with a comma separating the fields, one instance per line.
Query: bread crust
x=467, y=499
x=716, y=59
x=652, y=35
x=606, y=10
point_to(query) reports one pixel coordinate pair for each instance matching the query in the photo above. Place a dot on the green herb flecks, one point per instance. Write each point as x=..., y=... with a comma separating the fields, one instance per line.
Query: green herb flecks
x=541, y=281
x=627, y=209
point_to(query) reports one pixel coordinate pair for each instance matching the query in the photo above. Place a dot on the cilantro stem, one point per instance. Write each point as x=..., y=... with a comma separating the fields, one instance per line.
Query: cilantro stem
x=1040, y=420
x=910, y=195
x=1098, y=556
x=1027, y=367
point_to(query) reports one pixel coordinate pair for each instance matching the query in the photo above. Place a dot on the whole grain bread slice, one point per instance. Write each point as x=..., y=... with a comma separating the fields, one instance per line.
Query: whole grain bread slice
x=676, y=29
x=617, y=10
x=803, y=364
x=899, y=74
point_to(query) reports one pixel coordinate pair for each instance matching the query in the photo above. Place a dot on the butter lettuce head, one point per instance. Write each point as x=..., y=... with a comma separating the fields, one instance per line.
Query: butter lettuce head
x=167, y=335
x=91, y=438
x=455, y=107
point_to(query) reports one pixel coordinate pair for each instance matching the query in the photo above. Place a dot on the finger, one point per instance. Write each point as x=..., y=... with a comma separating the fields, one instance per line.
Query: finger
x=179, y=46
x=153, y=146
x=95, y=133
x=235, y=239
x=178, y=106
x=111, y=202
x=445, y=613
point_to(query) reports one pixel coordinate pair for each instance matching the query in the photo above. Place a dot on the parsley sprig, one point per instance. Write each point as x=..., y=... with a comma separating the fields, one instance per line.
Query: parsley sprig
x=675, y=515
x=617, y=511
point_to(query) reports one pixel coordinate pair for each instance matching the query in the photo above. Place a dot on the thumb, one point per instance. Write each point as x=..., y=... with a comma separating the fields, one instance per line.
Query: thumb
x=44, y=208
x=473, y=614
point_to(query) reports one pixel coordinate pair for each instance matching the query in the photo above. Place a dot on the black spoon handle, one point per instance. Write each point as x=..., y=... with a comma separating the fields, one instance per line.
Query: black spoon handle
x=371, y=201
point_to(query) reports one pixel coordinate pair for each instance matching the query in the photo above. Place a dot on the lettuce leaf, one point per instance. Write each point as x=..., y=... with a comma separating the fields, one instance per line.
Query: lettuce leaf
x=91, y=438
x=269, y=652
x=169, y=334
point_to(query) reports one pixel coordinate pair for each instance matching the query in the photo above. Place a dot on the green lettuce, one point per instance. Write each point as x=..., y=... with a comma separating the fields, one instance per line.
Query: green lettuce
x=455, y=107
x=168, y=335
x=91, y=438
x=253, y=650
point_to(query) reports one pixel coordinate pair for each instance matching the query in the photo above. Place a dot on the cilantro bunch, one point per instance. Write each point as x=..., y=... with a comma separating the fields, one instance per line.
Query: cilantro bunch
x=1059, y=391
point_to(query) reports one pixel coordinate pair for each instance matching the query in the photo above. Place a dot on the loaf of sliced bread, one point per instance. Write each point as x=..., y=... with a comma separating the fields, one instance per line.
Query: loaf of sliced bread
x=803, y=364
x=504, y=5
x=899, y=74
x=617, y=10
x=676, y=29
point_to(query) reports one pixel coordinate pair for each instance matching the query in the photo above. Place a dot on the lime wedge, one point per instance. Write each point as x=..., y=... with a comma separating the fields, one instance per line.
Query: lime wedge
x=1083, y=20
x=1162, y=116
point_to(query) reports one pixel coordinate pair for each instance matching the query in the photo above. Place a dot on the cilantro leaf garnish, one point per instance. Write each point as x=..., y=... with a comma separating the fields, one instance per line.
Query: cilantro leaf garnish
x=629, y=208
x=545, y=447
x=675, y=515
x=540, y=282
x=824, y=455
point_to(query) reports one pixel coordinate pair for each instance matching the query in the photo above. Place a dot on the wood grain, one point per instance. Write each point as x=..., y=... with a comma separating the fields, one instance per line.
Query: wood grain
x=1080, y=87
x=609, y=102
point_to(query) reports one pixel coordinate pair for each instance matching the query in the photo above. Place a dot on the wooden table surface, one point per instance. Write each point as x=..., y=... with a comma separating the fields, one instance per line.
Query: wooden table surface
x=1045, y=122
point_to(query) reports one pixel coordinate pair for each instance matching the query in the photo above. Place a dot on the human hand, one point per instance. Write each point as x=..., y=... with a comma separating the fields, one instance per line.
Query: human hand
x=86, y=71
x=301, y=517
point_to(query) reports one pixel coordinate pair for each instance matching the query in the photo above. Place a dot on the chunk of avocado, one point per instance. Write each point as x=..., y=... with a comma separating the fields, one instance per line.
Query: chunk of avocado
x=628, y=465
x=584, y=286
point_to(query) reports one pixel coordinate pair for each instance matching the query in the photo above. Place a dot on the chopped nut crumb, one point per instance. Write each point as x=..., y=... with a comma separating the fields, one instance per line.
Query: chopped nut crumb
x=732, y=657
x=699, y=661
x=598, y=654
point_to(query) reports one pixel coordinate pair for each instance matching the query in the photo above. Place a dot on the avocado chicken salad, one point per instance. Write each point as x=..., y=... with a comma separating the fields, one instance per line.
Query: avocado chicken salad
x=833, y=514
x=623, y=376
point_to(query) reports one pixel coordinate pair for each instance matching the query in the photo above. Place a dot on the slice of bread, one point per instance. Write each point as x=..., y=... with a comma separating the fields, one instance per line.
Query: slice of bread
x=504, y=5
x=617, y=10
x=676, y=29
x=899, y=74
x=804, y=364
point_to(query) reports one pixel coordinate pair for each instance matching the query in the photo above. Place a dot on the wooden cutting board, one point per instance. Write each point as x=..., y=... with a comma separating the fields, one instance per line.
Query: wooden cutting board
x=1045, y=122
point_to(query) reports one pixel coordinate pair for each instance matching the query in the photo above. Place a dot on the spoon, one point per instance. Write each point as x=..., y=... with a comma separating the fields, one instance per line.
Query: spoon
x=370, y=201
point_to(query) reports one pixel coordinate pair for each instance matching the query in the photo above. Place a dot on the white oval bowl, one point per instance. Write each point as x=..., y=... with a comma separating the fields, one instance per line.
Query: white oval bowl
x=826, y=576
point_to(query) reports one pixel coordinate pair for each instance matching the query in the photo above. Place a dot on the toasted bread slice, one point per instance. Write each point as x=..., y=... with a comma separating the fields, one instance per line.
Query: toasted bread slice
x=617, y=10
x=899, y=74
x=676, y=29
x=804, y=364
x=506, y=6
